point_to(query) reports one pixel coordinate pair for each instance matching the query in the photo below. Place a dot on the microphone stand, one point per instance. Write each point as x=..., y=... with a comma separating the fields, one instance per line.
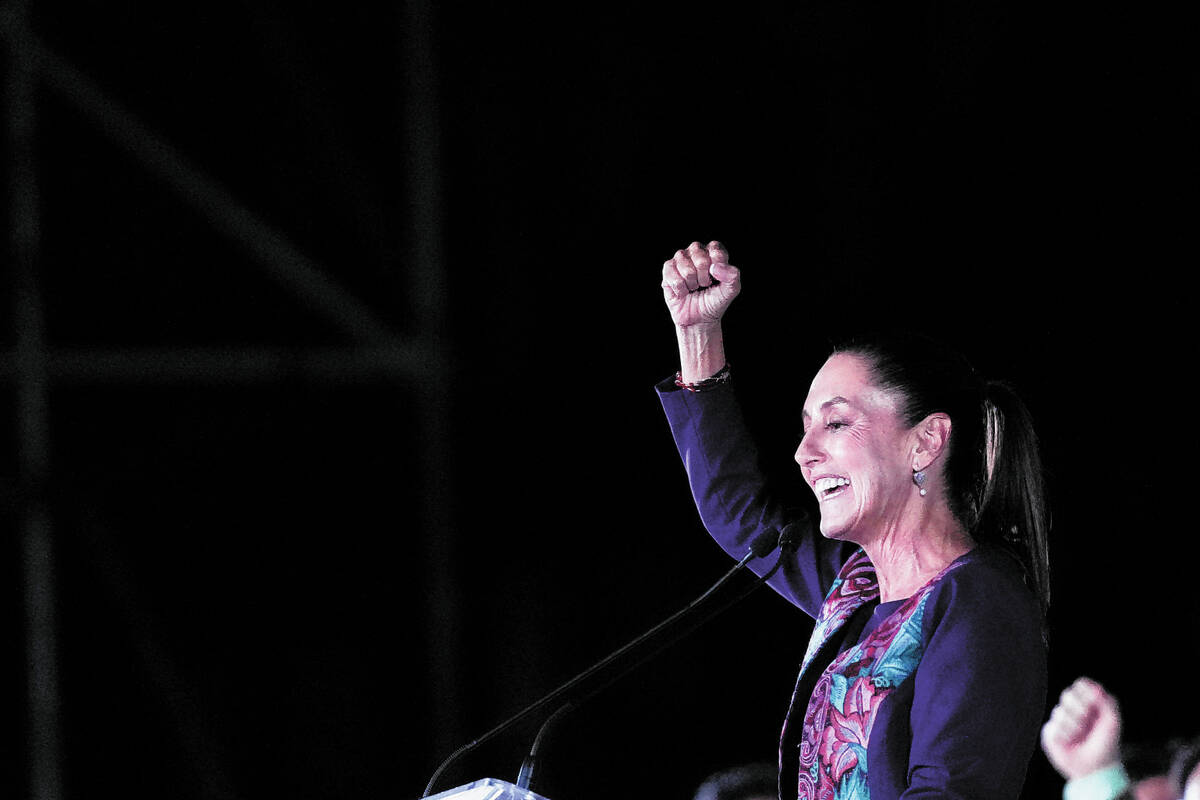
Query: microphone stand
x=761, y=546
x=525, y=776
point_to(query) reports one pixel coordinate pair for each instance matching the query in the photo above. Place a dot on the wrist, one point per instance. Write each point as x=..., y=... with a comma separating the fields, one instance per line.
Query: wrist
x=718, y=378
x=701, y=351
x=1106, y=783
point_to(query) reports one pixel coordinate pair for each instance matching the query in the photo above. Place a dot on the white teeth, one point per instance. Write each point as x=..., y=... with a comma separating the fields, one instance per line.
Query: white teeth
x=825, y=484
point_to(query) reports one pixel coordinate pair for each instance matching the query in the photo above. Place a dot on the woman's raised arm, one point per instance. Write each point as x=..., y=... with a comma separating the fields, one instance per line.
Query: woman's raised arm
x=698, y=285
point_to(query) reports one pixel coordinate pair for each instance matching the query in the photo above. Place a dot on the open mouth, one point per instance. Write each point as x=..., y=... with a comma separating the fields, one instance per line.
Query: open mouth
x=828, y=488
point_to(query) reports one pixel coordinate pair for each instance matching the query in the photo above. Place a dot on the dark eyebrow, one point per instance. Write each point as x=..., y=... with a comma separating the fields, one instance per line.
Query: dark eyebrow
x=833, y=401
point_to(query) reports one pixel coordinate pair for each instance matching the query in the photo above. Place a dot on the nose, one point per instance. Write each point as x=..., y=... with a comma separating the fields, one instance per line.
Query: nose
x=809, y=451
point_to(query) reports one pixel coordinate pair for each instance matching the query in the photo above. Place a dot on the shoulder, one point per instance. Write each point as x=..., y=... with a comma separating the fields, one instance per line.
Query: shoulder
x=979, y=692
x=984, y=579
x=984, y=593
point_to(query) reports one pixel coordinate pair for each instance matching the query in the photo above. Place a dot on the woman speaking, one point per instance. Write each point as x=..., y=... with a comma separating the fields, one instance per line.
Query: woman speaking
x=925, y=674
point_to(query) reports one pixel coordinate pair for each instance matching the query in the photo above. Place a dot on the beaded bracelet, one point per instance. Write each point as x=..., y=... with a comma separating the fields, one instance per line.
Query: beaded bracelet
x=721, y=376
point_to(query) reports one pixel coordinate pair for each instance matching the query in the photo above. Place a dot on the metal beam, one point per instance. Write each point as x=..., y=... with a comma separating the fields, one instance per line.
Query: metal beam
x=427, y=276
x=404, y=361
x=282, y=259
x=44, y=741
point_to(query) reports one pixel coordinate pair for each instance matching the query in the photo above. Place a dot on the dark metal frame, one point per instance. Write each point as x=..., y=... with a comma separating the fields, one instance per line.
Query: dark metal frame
x=34, y=366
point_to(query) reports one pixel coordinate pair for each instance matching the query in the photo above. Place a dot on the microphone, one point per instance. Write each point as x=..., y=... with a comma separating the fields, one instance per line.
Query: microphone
x=789, y=537
x=787, y=540
x=762, y=545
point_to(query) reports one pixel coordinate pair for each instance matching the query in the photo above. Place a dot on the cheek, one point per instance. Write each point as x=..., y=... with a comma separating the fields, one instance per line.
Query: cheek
x=860, y=453
x=868, y=492
x=876, y=468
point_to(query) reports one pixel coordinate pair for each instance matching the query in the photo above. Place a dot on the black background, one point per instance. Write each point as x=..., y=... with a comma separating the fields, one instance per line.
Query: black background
x=243, y=587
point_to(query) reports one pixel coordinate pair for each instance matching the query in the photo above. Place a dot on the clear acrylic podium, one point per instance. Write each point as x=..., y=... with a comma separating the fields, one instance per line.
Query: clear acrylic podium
x=487, y=789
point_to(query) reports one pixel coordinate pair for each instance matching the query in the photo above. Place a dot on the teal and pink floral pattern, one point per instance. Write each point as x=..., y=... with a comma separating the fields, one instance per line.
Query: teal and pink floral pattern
x=847, y=696
x=854, y=587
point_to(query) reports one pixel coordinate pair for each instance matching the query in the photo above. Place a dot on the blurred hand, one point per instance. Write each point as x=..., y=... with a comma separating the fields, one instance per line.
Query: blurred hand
x=1084, y=731
x=699, y=284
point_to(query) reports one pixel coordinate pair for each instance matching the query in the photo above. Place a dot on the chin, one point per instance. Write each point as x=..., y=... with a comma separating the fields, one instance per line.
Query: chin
x=842, y=531
x=834, y=531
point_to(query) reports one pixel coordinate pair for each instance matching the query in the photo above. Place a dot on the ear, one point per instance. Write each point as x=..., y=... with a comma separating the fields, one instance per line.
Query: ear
x=932, y=437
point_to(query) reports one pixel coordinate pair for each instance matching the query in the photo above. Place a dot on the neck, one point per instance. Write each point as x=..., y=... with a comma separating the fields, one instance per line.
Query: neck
x=908, y=554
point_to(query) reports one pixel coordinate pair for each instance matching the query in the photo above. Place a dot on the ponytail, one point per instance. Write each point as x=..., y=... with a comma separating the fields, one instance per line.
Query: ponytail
x=1009, y=508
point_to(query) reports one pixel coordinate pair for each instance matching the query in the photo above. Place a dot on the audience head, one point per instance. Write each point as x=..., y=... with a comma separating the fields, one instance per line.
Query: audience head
x=746, y=782
x=1185, y=770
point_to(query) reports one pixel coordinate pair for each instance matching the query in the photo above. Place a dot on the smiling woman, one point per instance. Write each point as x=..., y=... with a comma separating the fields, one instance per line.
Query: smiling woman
x=926, y=670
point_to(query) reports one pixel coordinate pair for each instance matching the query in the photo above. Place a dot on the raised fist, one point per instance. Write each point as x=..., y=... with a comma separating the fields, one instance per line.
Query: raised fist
x=1084, y=731
x=699, y=284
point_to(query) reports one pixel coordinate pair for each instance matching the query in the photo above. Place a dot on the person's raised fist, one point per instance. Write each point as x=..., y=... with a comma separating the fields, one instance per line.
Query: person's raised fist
x=699, y=283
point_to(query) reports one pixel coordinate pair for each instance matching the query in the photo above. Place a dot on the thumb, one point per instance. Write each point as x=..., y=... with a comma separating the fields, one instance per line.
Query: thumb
x=724, y=272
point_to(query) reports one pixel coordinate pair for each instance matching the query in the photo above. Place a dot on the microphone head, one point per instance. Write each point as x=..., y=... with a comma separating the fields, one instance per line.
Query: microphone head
x=764, y=543
x=790, y=536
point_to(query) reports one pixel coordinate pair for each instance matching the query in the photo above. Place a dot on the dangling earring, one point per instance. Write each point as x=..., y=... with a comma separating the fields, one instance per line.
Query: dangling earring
x=919, y=480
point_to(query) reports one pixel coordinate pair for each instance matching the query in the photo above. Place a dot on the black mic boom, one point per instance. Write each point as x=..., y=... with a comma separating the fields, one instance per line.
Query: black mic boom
x=760, y=546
